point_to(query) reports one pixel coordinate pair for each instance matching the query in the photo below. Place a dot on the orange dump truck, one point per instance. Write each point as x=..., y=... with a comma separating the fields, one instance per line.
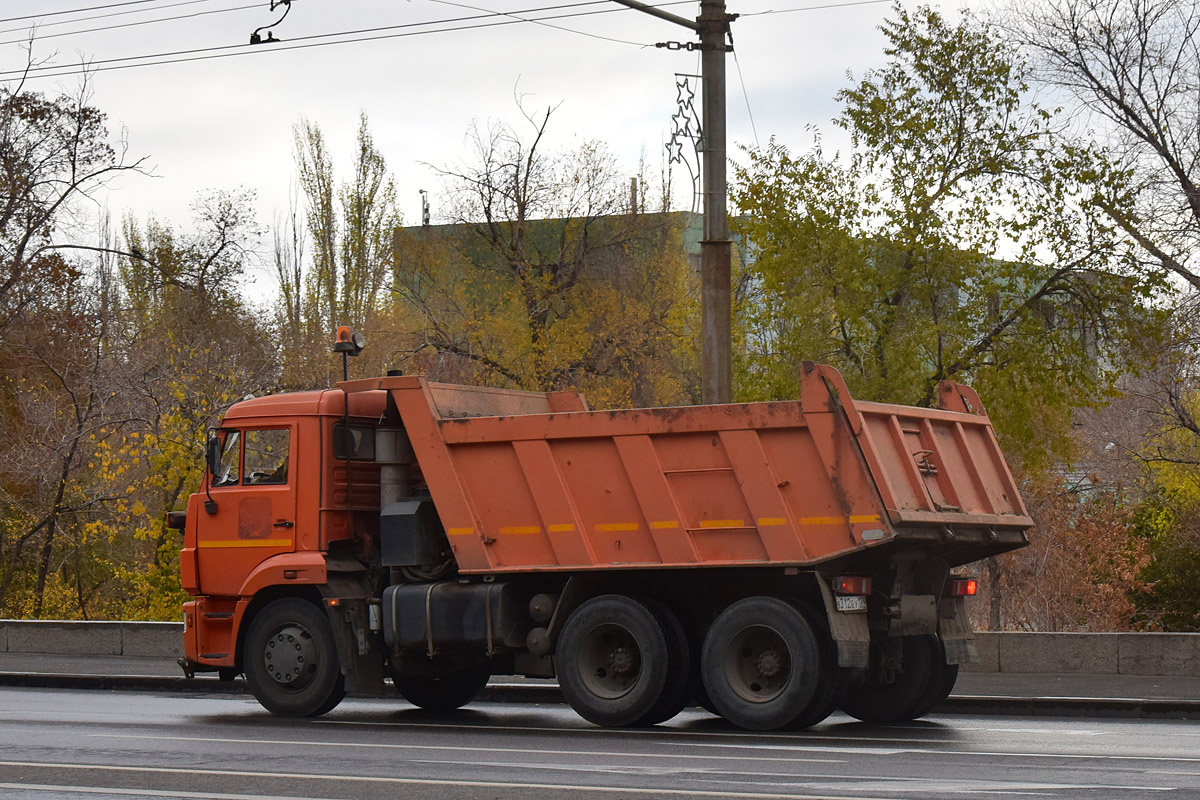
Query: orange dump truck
x=771, y=561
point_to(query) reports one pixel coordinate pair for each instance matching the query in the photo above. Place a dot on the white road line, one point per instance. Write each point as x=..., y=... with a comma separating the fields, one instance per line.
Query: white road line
x=458, y=748
x=662, y=733
x=785, y=748
x=156, y=793
x=367, y=779
x=914, y=751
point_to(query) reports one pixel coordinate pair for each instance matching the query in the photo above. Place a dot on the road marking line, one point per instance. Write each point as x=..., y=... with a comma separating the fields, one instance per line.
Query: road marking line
x=915, y=751
x=372, y=779
x=460, y=748
x=62, y=789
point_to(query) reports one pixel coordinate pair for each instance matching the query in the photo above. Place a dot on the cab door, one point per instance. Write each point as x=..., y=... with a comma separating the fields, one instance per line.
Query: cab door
x=255, y=495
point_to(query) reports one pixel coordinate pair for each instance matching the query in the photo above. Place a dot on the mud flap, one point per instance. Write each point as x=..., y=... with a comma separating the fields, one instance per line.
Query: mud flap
x=360, y=649
x=954, y=628
x=849, y=630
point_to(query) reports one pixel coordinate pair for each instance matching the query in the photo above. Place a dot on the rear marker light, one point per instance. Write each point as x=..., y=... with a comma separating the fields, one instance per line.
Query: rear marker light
x=963, y=587
x=847, y=584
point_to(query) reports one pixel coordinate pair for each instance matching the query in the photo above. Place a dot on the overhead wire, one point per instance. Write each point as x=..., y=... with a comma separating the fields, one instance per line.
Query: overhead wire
x=539, y=22
x=56, y=23
x=305, y=42
x=76, y=10
x=497, y=19
x=44, y=36
x=814, y=8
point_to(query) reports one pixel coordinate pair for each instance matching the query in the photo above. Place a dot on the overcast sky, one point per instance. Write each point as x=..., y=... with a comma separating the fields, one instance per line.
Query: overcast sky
x=226, y=122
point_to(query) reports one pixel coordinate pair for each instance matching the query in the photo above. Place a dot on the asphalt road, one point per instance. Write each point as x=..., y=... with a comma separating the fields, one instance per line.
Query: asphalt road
x=103, y=744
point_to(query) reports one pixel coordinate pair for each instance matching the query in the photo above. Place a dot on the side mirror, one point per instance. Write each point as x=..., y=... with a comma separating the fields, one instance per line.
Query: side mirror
x=213, y=455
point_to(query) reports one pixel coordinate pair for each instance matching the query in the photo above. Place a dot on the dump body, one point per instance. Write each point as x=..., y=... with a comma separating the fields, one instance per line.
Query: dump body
x=526, y=481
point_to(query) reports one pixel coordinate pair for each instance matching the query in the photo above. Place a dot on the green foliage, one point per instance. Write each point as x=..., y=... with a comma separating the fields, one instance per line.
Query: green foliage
x=1169, y=523
x=621, y=331
x=959, y=241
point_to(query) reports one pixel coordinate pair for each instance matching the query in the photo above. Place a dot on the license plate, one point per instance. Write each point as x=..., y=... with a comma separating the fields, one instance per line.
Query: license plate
x=851, y=602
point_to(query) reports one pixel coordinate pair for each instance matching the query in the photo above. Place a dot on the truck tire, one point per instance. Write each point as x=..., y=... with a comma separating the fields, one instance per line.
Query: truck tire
x=832, y=681
x=942, y=677
x=443, y=693
x=682, y=674
x=761, y=663
x=613, y=661
x=893, y=692
x=290, y=660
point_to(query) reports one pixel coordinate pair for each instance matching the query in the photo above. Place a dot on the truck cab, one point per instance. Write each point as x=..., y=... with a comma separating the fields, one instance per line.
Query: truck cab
x=288, y=486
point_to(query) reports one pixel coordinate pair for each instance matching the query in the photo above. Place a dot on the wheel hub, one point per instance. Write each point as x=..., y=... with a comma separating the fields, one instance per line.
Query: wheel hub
x=758, y=666
x=621, y=661
x=610, y=661
x=290, y=656
x=769, y=663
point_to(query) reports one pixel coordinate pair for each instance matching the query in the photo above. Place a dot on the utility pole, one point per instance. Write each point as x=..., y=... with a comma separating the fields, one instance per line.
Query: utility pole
x=716, y=308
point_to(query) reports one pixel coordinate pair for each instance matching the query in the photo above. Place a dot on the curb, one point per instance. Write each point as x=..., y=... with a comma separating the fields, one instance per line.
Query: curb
x=545, y=694
x=1125, y=708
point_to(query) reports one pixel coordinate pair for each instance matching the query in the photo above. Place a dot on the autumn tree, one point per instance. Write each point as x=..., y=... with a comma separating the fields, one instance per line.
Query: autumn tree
x=120, y=367
x=547, y=277
x=333, y=269
x=958, y=240
x=1082, y=571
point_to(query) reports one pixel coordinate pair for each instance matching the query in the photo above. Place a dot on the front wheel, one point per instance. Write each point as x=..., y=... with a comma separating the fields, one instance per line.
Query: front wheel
x=290, y=660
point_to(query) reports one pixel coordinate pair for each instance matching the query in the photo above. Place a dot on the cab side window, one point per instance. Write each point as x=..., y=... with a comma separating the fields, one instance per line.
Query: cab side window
x=266, y=457
x=231, y=461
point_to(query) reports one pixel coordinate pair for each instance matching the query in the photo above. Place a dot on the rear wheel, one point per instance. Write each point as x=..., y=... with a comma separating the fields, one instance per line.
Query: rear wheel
x=942, y=677
x=761, y=663
x=896, y=684
x=682, y=673
x=444, y=692
x=290, y=660
x=613, y=661
x=832, y=681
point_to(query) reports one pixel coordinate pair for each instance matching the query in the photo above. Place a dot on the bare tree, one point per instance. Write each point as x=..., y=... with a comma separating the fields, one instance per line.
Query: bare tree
x=54, y=152
x=1134, y=66
x=537, y=213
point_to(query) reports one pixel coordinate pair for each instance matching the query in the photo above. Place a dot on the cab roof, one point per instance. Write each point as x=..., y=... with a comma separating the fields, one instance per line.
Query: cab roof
x=322, y=402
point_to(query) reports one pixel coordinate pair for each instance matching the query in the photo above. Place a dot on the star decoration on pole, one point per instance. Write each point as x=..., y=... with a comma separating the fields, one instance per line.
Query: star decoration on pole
x=684, y=93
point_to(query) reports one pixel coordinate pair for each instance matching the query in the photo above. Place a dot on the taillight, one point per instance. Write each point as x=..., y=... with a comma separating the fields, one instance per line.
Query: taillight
x=852, y=584
x=963, y=587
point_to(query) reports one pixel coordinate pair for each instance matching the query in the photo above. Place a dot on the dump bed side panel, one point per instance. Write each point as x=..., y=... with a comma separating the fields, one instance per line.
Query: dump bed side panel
x=716, y=485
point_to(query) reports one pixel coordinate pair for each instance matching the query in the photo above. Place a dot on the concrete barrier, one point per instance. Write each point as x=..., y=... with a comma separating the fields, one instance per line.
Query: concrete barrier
x=1150, y=654
x=142, y=639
